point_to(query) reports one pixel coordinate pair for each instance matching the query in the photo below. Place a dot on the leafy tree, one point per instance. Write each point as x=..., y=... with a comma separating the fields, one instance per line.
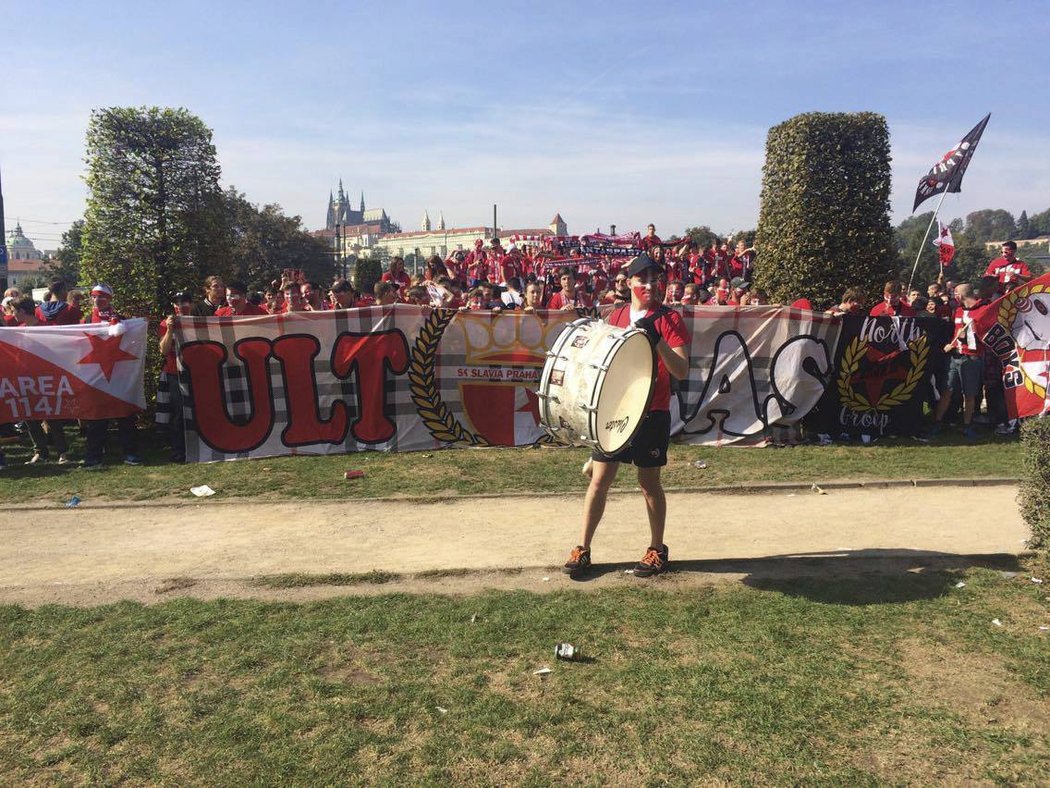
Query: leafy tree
x=703, y=236
x=154, y=220
x=971, y=257
x=65, y=265
x=907, y=237
x=1039, y=223
x=1024, y=227
x=747, y=236
x=26, y=284
x=263, y=241
x=824, y=220
x=991, y=224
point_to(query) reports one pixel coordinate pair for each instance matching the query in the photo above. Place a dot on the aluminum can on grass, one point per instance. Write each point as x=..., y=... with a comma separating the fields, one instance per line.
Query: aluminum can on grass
x=566, y=651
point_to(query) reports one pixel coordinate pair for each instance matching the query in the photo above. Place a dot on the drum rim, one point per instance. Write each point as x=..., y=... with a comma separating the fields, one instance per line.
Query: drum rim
x=648, y=400
x=548, y=367
x=592, y=416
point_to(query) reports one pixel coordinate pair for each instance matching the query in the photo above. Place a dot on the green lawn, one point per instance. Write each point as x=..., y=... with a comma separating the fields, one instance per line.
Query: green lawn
x=849, y=681
x=472, y=471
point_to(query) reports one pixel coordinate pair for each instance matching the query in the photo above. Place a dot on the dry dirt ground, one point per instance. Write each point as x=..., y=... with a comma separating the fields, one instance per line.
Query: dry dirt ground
x=150, y=553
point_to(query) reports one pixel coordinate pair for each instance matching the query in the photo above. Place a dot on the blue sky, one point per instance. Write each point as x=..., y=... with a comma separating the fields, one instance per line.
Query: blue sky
x=606, y=112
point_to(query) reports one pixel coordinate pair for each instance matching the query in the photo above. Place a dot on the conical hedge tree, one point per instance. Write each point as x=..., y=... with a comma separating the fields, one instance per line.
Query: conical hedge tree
x=824, y=221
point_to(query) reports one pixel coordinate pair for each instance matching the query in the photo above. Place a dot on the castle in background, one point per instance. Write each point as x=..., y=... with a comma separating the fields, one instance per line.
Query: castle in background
x=371, y=233
x=361, y=221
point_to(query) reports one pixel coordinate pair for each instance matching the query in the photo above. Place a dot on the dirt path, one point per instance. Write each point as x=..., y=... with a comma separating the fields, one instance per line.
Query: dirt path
x=150, y=553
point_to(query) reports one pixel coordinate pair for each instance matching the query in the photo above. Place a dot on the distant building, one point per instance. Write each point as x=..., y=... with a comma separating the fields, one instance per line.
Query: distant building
x=442, y=240
x=342, y=215
x=362, y=232
x=24, y=260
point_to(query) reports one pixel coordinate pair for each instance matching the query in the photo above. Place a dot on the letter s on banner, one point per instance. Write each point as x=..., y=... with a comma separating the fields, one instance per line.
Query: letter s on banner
x=203, y=362
x=798, y=376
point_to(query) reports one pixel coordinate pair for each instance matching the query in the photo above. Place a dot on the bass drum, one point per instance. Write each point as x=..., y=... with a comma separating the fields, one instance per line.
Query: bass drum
x=596, y=385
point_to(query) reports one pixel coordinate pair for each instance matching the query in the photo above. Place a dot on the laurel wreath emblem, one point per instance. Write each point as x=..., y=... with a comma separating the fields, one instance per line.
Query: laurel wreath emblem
x=1006, y=317
x=426, y=395
x=901, y=393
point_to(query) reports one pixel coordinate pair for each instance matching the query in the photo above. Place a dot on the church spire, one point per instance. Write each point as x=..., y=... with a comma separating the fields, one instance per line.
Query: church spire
x=441, y=220
x=331, y=218
x=425, y=225
x=362, y=201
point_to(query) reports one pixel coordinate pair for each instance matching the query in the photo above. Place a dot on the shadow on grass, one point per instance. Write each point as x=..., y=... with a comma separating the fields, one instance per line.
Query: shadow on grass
x=847, y=577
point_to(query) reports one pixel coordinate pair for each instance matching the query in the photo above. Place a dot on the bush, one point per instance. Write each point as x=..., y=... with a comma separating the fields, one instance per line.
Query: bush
x=1035, y=482
x=824, y=221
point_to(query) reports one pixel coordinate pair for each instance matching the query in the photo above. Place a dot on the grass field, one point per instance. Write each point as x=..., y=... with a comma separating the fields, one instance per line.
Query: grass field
x=472, y=471
x=851, y=681
x=890, y=677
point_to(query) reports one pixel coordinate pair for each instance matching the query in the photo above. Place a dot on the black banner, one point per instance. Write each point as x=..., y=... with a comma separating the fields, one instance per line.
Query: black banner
x=881, y=376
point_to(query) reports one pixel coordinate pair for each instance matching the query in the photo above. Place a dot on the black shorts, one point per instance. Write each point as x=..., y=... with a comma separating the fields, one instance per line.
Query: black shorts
x=648, y=449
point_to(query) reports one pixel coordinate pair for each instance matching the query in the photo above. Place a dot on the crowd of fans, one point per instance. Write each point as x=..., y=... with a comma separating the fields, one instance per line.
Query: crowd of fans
x=559, y=275
x=968, y=373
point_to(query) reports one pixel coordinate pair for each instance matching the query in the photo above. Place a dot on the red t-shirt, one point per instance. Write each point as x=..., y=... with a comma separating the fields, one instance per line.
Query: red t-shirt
x=477, y=265
x=884, y=309
x=249, y=309
x=454, y=269
x=579, y=300
x=1006, y=271
x=10, y=320
x=675, y=271
x=672, y=328
x=649, y=242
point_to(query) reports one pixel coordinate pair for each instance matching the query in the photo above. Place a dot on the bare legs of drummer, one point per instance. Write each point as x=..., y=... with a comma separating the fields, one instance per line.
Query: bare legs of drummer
x=648, y=451
x=602, y=477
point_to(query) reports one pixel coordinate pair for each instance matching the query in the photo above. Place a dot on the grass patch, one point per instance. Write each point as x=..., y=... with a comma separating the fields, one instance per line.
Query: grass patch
x=305, y=580
x=472, y=471
x=858, y=680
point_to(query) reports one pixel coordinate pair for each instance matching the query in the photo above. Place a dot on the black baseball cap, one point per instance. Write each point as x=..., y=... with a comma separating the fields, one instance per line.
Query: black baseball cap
x=182, y=297
x=641, y=263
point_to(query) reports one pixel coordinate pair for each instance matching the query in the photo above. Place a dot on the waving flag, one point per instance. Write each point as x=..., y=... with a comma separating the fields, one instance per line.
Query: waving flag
x=1016, y=328
x=945, y=245
x=72, y=372
x=947, y=174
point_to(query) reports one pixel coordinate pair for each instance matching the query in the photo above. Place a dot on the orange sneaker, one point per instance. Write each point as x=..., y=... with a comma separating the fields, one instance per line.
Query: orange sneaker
x=579, y=562
x=653, y=562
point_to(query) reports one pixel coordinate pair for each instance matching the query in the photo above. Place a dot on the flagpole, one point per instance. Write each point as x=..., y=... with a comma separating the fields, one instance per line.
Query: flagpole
x=922, y=246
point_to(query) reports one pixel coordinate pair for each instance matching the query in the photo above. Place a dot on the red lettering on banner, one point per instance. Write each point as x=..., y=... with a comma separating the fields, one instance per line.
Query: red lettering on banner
x=204, y=361
x=369, y=356
x=297, y=352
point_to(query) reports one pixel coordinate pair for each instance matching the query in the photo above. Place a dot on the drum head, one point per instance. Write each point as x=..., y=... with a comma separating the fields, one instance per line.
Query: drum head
x=626, y=391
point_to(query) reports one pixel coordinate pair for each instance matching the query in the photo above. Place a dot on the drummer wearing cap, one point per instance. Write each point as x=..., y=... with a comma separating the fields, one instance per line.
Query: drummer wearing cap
x=648, y=450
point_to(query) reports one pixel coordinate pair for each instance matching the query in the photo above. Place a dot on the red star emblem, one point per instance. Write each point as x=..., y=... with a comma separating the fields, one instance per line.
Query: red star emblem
x=531, y=406
x=106, y=352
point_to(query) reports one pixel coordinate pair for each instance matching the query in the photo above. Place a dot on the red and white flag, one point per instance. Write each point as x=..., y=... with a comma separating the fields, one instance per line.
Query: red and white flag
x=944, y=243
x=72, y=372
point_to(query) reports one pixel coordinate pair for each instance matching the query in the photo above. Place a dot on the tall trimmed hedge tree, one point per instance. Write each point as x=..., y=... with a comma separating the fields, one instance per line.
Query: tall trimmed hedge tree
x=824, y=222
